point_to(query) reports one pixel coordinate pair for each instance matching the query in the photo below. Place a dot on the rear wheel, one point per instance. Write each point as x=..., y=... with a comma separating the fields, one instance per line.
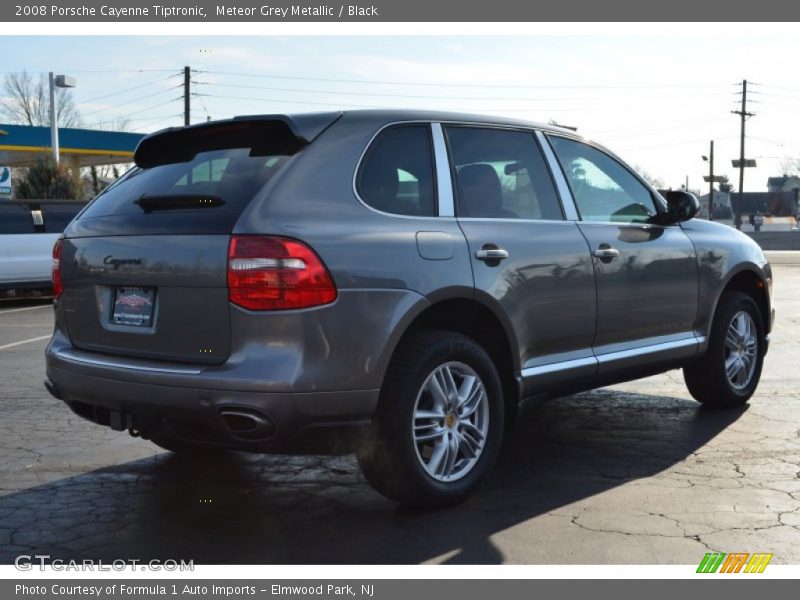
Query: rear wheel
x=728, y=374
x=439, y=423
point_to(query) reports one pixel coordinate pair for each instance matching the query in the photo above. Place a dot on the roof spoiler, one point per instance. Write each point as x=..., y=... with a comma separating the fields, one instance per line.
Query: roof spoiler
x=263, y=134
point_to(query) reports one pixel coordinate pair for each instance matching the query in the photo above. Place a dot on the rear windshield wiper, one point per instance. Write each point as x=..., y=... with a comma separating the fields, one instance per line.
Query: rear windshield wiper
x=178, y=202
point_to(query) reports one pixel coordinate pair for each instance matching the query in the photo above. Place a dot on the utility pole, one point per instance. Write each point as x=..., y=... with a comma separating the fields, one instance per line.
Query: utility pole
x=711, y=182
x=53, y=117
x=743, y=114
x=187, y=89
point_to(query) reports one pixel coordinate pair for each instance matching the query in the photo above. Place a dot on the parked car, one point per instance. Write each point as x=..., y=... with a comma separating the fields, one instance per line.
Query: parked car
x=392, y=282
x=27, y=234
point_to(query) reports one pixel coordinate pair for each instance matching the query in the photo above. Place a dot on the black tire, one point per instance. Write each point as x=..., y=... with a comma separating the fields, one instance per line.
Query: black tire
x=706, y=378
x=188, y=449
x=389, y=457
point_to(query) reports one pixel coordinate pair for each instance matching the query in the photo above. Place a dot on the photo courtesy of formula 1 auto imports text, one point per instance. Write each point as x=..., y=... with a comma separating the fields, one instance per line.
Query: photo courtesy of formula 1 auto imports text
x=306, y=301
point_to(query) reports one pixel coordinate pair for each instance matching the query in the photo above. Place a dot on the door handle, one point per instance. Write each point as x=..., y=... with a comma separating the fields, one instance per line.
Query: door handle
x=491, y=254
x=606, y=251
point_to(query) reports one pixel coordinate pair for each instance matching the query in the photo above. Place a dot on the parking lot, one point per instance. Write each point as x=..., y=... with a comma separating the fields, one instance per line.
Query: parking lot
x=636, y=473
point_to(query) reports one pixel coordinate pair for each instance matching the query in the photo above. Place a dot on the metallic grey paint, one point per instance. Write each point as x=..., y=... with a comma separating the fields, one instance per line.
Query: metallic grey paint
x=568, y=317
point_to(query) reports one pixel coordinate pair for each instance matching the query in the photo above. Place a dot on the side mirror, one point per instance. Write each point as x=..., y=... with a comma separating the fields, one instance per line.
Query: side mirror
x=681, y=206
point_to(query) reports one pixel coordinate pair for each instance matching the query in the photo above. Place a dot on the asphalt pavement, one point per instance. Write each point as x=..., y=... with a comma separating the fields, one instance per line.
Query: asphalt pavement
x=632, y=474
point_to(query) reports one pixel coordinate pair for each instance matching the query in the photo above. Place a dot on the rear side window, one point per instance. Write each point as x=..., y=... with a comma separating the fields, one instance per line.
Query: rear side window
x=501, y=174
x=396, y=175
x=15, y=219
x=230, y=176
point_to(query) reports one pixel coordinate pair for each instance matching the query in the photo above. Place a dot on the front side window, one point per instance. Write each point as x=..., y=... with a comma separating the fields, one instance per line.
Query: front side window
x=603, y=189
x=397, y=174
x=501, y=174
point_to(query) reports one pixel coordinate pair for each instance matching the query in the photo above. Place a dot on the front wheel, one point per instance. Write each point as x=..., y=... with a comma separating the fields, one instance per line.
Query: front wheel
x=439, y=422
x=729, y=372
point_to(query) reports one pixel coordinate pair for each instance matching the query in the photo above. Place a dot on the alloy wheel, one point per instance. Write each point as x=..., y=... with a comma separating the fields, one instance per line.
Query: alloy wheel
x=741, y=350
x=450, y=421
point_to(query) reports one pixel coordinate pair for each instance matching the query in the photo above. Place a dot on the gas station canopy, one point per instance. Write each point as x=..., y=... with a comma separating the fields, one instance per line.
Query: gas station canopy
x=21, y=145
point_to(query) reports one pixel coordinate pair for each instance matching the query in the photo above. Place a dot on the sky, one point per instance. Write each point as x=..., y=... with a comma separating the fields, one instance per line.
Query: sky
x=655, y=100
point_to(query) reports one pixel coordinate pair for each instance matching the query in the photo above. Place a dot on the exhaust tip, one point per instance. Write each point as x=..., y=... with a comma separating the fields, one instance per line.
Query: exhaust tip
x=247, y=424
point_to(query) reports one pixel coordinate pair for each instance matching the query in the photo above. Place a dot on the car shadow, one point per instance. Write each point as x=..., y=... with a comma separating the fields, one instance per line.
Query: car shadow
x=249, y=509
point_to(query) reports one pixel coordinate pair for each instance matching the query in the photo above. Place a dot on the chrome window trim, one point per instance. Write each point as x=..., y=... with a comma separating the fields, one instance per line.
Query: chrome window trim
x=363, y=154
x=73, y=357
x=601, y=359
x=444, y=178
x=564, y=191
x=512, y=220
x=630, y=224
x=542, y=134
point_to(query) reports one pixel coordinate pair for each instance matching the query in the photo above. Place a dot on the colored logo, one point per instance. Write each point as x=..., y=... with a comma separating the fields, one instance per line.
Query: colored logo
x=5, y=182
x=737, y=562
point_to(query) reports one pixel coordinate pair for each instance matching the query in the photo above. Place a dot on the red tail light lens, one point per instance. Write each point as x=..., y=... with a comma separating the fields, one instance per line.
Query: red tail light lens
x=55, y=273
x=275, y=273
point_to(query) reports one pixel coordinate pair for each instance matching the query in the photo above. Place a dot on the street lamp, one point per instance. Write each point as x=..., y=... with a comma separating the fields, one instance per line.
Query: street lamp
x=62, y=81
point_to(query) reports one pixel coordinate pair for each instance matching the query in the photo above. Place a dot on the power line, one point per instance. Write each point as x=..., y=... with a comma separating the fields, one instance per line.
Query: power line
x=127, y=102
x=780, y=87
x=338, y=105
x=156, y=105
x=205, y=108
x=459, y=84
x=130, y=89
x=159, y=121
x=421, y=96
x=679, y=143
x=151, y=117
x=118, y=70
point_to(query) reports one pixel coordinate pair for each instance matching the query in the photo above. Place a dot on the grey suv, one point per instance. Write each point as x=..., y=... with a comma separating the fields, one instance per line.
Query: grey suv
x=392, y=282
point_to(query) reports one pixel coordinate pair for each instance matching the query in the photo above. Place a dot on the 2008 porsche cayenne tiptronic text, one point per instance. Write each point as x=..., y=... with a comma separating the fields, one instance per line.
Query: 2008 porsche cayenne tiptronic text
x=393, y=283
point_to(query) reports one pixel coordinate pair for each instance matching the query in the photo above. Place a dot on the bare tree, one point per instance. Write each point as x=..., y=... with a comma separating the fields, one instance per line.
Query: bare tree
x=26, y=101
x=791, y=166
x=102, y=175
x=654, y=181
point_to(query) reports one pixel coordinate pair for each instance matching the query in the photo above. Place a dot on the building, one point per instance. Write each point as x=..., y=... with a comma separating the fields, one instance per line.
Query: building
x=784, y=183
x=22, y=145
x=722, y=205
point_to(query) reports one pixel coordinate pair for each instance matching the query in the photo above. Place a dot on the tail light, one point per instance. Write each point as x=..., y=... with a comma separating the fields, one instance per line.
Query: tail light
x=275, y=273
x=55, y=273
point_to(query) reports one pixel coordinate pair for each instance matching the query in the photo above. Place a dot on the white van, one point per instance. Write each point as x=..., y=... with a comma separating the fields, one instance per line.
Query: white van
x=27, y=234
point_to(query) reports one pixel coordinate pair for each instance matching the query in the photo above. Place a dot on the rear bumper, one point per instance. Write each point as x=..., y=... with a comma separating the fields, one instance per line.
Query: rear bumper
x=149, y=402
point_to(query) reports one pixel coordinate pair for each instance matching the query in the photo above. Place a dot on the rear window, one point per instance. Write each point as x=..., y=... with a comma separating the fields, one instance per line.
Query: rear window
x=230, y=176
x=397, y=173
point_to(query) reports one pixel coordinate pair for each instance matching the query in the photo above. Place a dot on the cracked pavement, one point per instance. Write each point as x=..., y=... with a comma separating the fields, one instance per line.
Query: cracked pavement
x=632, y=474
